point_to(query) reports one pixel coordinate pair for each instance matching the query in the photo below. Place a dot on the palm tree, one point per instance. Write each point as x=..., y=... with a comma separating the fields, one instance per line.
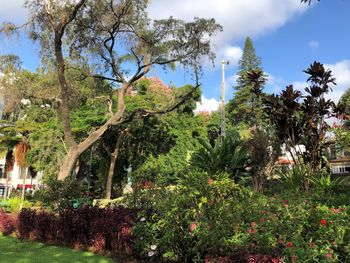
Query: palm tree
x=21, y=154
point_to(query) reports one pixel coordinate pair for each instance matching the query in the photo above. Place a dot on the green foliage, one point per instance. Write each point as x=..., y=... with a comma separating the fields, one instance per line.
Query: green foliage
x=323, y=180
x=47, y=150
x=186, y=219
x=228, y=155
x=293, y=178
x=184, y=131
x=16, y=203
x=244, y=106
x=58, y=195
x=210, y=217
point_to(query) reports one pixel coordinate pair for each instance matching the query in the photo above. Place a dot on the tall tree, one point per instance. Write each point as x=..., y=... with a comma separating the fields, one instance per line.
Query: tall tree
x=118, y=36
x=244, y=107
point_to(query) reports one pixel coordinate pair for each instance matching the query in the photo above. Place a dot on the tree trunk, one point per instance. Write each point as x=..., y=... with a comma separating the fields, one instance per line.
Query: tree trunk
x=23, y=184
x=114, y=157
x=110, y=176
x=6, y=185
x=68, y=164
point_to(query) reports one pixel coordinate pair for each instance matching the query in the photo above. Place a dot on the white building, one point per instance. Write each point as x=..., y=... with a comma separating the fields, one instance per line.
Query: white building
x=18, y=177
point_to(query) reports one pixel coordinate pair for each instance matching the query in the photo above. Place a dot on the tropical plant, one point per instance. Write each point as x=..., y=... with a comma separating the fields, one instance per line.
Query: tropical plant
x=323, y=180
x=300, y=120
x=293, y=178
x=228, y=154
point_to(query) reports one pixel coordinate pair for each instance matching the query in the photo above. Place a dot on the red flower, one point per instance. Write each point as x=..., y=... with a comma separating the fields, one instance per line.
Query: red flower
x=328, y=256
x=192, y=227
x=289, y=244
x=285, y=201
x=253, y=224
x=210, y=181
x=294, y=258
x=323, y=222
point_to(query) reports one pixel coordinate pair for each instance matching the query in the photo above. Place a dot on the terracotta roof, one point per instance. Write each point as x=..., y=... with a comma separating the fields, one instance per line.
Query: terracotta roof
x=283, y=160
x=340, y=159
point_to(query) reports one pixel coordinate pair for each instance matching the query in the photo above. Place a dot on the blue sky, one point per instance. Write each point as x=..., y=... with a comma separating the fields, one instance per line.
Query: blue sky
x=287, y=35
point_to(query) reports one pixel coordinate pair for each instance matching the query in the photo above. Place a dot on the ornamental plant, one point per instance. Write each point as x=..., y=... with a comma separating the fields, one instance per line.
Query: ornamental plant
x=211, y=218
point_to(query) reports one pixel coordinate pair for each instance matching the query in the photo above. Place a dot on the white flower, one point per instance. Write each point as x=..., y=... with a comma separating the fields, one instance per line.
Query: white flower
x=154, y=247
x=142, y=219
x=151, y=253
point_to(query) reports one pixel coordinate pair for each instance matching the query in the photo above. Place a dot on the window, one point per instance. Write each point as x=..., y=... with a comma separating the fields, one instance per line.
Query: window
x=341, y=169
x=23, y=172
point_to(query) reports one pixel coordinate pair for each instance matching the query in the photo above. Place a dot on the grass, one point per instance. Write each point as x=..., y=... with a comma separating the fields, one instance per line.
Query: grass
x=15, y=251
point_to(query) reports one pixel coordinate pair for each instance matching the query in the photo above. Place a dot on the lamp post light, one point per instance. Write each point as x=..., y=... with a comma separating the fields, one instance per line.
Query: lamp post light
x=222, y=108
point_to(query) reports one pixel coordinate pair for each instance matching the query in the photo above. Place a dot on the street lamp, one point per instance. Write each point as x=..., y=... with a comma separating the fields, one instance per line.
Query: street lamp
x=223, y=128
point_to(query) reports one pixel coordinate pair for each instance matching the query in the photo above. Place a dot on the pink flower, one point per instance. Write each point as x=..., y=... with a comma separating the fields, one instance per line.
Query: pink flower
x=335, y=211
x=253, y=224
x=328, y=256
x=210, y=181
x=252, y=231
x=289, y=244
x=285, y=205
x=193, y=226
x=323, y=222
x=294, y=258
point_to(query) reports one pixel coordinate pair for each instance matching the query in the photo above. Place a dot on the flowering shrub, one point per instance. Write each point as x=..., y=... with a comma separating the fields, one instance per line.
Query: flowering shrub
x=213, y=220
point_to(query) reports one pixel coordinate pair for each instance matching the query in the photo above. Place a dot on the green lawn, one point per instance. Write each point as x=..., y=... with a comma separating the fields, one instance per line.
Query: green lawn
x=14, y=251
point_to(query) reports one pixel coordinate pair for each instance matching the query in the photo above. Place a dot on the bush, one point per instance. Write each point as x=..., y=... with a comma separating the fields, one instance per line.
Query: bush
x=108, y=228
x=7, y=223
x=15, y=204
x=58, y=195
x=213, y=218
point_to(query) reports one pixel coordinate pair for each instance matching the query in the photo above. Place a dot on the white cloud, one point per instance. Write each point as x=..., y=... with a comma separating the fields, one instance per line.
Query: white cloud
x=207, y=105
x=314, y=44
x=240, y=18
x=230, y=53
x=300, y=85
x=341, y=71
